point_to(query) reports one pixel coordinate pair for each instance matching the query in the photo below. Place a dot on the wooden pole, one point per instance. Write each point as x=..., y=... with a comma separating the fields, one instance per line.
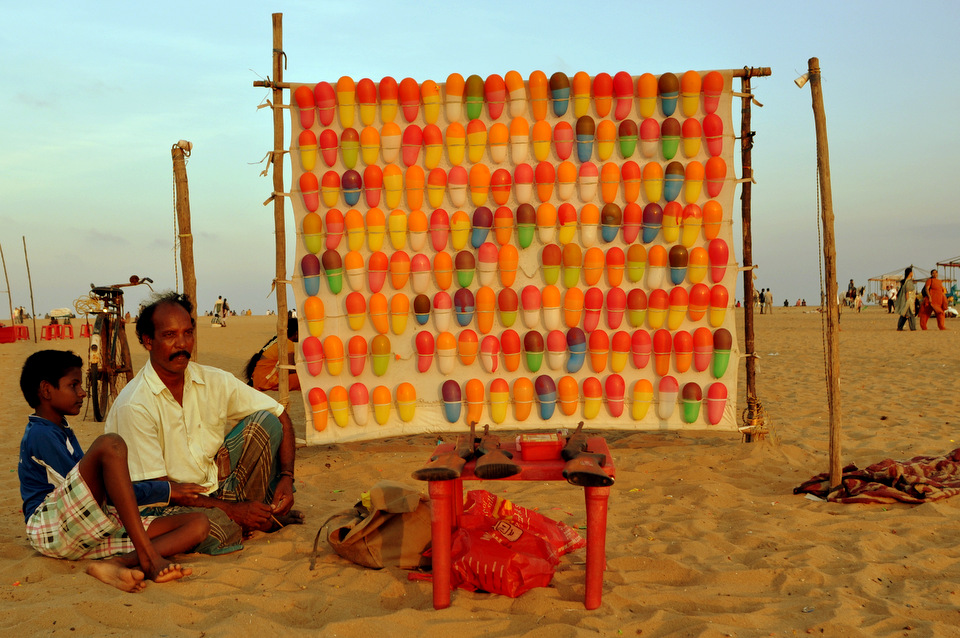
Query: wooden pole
x=7, y=281
x=830, y=268
x=278, y=212
x=33, y=308
x=746, y=149
x=183, y=223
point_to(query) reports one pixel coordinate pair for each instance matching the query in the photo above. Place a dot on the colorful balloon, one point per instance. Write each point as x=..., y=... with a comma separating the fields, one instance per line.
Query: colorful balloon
x=409, y=99
x=702, y=348
x=647, y=94
x=568, y=395
x=474, y=391
x=682, y=351
x=719, y=300
x=454, y=103
x=379, y=313
x=668, y=388
x=636, y=307
x=381, y=400
x=510, y=347
x=507, y=304
x=452, y=396
x=446, y=352
x=303, y=96
x=357, y=354
x=499, y=398
x=649, y=137
x=389, y=93
x=533, y=350
x=538, y=86
x=712, y=88
x=546, y=395
x=399, y=311
x=559, y=93
x=712, y=217
x=592, y=398
x=313, y=355
x=581, y=93
x=490, y=353
x=319, y=408
x=586, y=130
x=516, y=92
x=602, y=93
x=465, y=305
x=592, y=265
x=577, y=347
x=722, y=345
x=719, y=257
x=339, y=401
x=326, y=101
x=641, y=345
x=690, y=399
x=615, y=388
x=699, y=300
x=668, y=88
x=333, y=354
x=599, y=346
x=522, y=398
x=430, y=94
x=380, y=355
x=642, y=398
x=716, y=402
x=592, y=303
x=636, y=262
x=657, y=304
x=716, y=173
x=406, y=401
x=467, y=346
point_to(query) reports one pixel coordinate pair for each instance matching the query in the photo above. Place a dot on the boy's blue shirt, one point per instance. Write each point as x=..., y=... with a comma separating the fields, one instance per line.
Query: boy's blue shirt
x=47, y=447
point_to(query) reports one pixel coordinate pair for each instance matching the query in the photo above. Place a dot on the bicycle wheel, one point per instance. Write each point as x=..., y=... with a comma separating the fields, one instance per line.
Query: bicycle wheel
x=100, y=391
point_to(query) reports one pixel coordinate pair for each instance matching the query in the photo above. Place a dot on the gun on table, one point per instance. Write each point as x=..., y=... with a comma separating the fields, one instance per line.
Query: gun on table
x=583, y=468
x=492, y=462
x=449, y=465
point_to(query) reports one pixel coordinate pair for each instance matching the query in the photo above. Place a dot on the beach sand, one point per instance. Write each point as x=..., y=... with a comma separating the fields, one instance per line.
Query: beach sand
x=704, y=538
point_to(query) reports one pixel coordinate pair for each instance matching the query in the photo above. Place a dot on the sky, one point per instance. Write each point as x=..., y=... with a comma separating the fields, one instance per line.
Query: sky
x=98, y=93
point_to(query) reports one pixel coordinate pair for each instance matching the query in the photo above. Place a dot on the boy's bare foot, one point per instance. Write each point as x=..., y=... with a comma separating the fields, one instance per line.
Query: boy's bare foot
x=117, y=575
x=172, y=571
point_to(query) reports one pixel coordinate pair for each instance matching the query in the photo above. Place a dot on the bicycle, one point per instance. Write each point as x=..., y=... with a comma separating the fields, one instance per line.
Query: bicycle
x=110, y=367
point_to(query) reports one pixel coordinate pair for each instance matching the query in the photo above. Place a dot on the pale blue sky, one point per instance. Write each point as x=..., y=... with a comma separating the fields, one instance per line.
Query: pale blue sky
x=98, y=93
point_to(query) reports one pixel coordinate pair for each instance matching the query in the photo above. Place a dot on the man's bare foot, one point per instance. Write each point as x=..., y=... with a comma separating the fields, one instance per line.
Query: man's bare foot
x=117, y=575
x=172, y=571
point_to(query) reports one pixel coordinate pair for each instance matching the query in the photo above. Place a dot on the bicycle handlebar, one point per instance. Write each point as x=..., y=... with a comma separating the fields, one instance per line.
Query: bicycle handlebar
x=114, y=289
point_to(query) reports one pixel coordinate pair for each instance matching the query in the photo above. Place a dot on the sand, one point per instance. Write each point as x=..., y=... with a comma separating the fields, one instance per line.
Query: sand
x=704, y=538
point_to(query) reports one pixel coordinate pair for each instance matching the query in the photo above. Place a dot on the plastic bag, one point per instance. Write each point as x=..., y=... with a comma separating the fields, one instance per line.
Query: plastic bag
x=503, y=548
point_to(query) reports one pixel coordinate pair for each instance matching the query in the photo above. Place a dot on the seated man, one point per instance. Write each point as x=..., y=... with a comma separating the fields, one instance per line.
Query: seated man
x=185, y=422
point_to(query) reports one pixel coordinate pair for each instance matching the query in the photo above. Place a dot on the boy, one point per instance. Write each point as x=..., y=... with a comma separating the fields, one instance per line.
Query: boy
x=80, y=505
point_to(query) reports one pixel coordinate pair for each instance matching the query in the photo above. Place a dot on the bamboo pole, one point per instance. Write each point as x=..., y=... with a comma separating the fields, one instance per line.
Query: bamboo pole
x=33, y=308
x=184, y=233
x=278, y=212
x=746, y=211
x=830, y=268
x=7, y=281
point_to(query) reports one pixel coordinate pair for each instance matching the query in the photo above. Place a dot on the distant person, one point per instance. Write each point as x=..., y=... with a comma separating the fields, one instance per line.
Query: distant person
x=906, y=297
x=851, y=293
x=934, y=300
x=768, y=301
x=762, y=300
x=84, y=506
x=892, y=301
x=217, y=311
x=225, y=312
x=262, y=370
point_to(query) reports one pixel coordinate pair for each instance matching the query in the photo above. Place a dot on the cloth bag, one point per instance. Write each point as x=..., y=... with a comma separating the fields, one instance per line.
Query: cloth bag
x=394, y=530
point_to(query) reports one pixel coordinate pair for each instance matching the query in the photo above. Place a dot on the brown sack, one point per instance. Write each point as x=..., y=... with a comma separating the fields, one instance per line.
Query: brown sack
x=393, y=531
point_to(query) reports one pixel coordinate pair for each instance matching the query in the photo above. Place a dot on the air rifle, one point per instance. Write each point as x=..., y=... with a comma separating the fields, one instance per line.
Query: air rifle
x=447, y=466
x=583, y=468
x=492, y=462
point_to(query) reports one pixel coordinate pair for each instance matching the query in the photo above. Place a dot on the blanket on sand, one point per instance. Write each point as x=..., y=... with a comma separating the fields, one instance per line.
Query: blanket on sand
x=921, y=479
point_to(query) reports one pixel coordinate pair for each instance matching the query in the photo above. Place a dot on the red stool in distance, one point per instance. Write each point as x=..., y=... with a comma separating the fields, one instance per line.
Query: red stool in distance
x=85, y=330
x=64, y=329
x=23, y=332
x=50, y=331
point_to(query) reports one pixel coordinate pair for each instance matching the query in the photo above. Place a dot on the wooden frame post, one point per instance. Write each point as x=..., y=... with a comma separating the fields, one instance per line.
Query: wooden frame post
x=831, y=308
x=278, y=209
x=184, y=234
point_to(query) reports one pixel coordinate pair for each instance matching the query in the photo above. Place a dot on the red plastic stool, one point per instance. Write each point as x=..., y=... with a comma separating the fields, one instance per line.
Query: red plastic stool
x=49, y=331
x=64, y=329
x=85, y=330
x=23, y=332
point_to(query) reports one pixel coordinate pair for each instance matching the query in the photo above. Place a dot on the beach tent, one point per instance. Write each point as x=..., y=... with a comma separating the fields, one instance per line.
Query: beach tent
x=879, y=283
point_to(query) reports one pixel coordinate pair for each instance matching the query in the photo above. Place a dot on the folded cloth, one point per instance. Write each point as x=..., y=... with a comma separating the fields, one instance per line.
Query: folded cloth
x=921, y=479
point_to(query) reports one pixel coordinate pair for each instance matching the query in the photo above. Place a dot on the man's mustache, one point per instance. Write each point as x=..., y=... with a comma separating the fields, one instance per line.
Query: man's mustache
x=182, y=353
